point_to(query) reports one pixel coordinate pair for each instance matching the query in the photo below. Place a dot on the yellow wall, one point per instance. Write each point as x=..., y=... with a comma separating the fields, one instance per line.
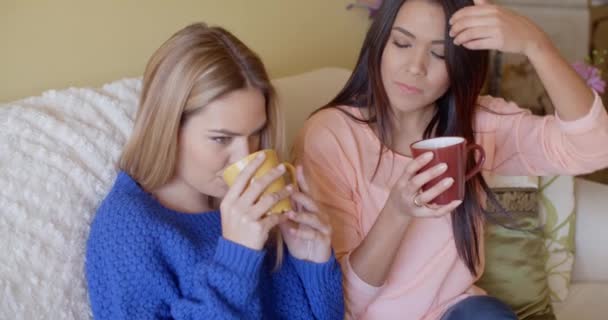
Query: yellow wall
x=58, y=43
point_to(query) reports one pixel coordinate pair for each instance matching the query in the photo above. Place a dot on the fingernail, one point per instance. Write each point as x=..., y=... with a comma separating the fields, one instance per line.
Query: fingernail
x=282, y=168
x=442, y=167
x=428, y=155
x=290, y=188
x=261, y=155
x=448, y=182
x=458, y=202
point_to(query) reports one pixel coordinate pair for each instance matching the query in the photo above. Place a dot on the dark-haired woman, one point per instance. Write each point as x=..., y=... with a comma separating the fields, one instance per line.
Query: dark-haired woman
x=419, y=75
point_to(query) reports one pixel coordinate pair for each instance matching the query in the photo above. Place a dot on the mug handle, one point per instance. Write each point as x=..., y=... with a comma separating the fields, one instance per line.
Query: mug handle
x=479, y=164
x=292, y=172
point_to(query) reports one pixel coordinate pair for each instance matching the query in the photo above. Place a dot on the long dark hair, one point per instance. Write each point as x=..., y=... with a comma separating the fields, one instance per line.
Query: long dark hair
x=454, y=115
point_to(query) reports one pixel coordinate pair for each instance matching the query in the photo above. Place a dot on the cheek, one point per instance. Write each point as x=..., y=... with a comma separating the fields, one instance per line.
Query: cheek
x=200, y=160
x=388, y=62
x=440, y=79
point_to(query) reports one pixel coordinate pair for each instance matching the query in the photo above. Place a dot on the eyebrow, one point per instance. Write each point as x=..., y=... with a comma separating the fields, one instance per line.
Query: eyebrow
x=411, y=35
x=232, y=133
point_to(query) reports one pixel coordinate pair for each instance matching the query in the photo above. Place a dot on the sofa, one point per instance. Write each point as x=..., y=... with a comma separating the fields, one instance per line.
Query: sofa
x=57, y=160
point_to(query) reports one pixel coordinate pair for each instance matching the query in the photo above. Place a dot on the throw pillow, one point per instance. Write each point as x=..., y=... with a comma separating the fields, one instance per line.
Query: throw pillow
x=515, y=255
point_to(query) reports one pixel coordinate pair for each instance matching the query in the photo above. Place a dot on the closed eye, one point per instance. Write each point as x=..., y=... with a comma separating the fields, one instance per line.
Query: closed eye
x=401, y=45
x=438, y=56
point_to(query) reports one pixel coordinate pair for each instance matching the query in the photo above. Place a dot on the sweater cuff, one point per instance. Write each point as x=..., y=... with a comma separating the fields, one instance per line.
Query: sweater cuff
x=586, y=123
x=353, y=281
x=238, y=258
x=312, y=272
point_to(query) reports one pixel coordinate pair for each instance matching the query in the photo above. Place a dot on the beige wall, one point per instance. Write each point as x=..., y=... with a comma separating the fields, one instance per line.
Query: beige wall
x=54, y=44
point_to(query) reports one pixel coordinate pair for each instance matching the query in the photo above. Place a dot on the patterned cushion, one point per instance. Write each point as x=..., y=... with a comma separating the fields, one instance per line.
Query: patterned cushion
x=515, y=254
x=557, y=213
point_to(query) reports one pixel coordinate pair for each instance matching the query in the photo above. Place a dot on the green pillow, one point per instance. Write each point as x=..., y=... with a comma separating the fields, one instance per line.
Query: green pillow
x=515, y=256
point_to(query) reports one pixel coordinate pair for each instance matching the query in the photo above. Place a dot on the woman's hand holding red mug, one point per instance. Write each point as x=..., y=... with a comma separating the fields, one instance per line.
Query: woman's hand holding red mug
x=408, y=197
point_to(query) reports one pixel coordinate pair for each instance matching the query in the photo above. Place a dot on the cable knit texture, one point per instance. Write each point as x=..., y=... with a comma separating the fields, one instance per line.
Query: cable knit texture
x=145, y=261
x=58, y=154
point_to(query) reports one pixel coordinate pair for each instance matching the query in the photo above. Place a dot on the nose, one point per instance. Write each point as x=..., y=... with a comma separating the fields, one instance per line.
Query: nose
x=241, y=149
x=417, y=64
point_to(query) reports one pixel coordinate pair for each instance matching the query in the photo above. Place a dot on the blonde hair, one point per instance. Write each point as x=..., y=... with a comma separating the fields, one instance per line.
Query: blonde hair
x=196, y=66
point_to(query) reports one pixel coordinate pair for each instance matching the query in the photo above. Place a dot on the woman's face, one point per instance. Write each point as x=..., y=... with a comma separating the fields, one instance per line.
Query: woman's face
x=221, y=133
x=414, y=72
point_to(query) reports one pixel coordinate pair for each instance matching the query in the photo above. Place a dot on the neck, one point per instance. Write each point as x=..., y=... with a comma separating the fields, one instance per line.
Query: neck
x=408, y=127
x=177, y=195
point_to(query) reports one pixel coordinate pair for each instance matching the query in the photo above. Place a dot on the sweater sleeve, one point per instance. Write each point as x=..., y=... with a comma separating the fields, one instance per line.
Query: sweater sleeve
x=323, y=286
x=332, y=178
x=525, y=144
x=128, y=278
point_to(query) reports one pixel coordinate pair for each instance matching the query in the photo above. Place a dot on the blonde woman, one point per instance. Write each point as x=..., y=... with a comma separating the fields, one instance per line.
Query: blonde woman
x=171, y=240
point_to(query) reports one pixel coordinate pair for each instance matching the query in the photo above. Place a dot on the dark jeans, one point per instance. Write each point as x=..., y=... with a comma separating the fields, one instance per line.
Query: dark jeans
x=478, y=308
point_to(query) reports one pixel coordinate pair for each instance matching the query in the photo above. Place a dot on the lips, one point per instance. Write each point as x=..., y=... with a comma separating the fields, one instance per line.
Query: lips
x=408, y=89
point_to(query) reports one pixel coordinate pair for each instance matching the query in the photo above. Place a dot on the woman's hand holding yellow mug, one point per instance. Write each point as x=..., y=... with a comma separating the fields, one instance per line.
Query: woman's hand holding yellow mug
x=258, y=200
x=244, y=209
x=308, y=232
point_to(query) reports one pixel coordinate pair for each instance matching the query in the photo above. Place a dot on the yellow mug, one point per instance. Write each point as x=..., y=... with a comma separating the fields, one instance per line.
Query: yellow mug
x=271, y=161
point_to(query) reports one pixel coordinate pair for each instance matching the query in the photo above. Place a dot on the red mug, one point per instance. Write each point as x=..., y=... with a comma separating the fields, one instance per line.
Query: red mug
x=454, y=152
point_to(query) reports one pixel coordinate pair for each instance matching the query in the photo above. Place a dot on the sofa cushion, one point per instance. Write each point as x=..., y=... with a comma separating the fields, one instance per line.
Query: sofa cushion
x=591, y=257
x=586, y=301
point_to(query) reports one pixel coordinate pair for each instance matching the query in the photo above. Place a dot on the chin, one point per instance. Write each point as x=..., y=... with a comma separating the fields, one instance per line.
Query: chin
x=214, y=189
x=219, y=190
x=408, y=105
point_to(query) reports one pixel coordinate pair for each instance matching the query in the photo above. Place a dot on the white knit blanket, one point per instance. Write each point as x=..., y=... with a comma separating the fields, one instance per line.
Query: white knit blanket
x=58, y=156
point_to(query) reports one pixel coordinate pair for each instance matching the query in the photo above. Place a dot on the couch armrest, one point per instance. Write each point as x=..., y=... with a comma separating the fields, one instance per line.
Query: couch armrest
x=591, y=257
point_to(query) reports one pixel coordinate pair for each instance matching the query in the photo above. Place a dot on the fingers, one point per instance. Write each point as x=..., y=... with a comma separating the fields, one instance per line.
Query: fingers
x=465, y=24
x=476, y=33
x=414, y=166
x=443, y=210
x=270, y=221
x=268, y=201
x=311, y=221
x=258, y=185
x=302, y=231
x=305, y=202
x=424, y=177
x=435, y=191
x=244, y=177
x=483, y=44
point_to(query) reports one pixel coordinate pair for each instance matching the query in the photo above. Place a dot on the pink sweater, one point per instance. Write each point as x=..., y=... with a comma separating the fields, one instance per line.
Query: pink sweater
x=339, y=156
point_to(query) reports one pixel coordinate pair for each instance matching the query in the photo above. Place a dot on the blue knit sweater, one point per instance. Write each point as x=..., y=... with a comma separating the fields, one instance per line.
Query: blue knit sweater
x=145, y=261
